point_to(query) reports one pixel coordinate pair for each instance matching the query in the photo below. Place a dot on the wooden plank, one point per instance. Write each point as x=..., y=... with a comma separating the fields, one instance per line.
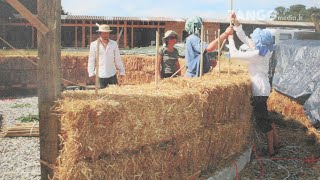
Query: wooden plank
x=29, y=16
x=49, y=83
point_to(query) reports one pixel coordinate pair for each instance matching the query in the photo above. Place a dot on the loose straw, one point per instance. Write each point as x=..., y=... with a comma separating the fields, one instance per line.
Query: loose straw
x=156, y=76
x=201, y=58
x=97, y=68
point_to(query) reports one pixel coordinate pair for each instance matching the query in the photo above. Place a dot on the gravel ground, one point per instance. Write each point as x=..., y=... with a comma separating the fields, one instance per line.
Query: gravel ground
x=19, y=157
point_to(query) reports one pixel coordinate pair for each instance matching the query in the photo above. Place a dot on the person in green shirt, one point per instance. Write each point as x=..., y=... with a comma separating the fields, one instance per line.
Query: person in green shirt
x=168, y=62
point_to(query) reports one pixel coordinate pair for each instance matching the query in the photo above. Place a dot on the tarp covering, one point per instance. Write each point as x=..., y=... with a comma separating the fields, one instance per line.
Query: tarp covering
x=296, y=65
x=312, y=106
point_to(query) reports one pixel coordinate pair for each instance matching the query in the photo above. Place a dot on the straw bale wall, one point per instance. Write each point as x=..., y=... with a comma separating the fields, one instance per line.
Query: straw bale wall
x=167, y=131
x=17, y=71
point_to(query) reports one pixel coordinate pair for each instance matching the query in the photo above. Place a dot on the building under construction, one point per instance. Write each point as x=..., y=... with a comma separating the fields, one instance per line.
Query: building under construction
x=79, y=31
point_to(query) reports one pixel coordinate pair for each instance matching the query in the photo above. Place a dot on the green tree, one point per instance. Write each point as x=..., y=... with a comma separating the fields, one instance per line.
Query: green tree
x=296, y=12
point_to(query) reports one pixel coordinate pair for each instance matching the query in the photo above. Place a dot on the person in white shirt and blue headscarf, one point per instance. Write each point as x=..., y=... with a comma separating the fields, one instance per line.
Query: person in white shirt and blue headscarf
x=258, y=57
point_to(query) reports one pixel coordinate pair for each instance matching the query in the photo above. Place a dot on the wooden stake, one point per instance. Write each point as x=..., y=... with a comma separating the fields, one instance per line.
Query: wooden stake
x=224, y=41
x=177, y=71
x=156, y=76
x=229, y=58
x=201, y=53
x=219, y=53
x=97, y=67
x=119, y=36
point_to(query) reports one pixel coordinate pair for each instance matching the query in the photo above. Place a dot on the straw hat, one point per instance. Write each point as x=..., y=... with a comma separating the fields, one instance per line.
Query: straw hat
x=168, y=34
x=104, y=28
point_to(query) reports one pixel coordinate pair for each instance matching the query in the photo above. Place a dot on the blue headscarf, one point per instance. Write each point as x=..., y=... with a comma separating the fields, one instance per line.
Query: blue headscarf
x=263, y=40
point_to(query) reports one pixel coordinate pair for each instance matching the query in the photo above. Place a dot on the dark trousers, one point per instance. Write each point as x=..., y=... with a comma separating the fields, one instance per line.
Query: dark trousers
x=260, y=112
x=105, y=82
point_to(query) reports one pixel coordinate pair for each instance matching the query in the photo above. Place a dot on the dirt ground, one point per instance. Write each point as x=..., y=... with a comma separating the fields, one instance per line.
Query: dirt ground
x=298, y=159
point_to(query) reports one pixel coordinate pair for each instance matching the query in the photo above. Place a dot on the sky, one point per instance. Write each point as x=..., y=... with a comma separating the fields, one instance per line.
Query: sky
x=245, y=9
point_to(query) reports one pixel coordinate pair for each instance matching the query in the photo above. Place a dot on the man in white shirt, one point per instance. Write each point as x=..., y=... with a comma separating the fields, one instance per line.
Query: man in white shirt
x=258, y=57
x=109, y=58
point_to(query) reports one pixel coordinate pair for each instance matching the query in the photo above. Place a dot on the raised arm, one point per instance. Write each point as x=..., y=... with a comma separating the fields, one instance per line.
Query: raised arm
x=249, y=56
x=214, y=44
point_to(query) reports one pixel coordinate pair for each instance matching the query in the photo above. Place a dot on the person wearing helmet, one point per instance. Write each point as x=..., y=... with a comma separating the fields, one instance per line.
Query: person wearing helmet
x=193, y=47
x=258, y=57
x=168, y=62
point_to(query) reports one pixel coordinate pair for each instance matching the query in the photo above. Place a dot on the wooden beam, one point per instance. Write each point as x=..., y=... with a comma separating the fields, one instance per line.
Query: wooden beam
x=29, y=16
x=49, y=84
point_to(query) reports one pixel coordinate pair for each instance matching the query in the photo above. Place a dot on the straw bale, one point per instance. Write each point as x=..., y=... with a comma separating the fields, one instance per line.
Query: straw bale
x=288, y=107
x=170, y=130
x=174, y=159
x=144, y=119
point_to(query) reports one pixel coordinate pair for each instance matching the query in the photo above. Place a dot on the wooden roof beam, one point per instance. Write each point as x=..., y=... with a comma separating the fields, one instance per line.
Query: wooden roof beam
x=29, y=16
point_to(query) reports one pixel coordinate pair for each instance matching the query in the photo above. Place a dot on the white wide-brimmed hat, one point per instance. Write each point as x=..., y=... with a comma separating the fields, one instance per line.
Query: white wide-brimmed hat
x=104, y=28
x=168, y=34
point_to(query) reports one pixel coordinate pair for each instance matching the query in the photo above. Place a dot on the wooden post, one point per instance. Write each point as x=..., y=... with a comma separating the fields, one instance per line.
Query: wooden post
x=90, y=30
x=229, y=58
x=32, y=37
x=201, y=48
x=97, y=84
x=156, y=76
x=125, y=35
x=132, y=44
x=49, y=83
x=76, y=34
x=219, y=53
x=83, y=40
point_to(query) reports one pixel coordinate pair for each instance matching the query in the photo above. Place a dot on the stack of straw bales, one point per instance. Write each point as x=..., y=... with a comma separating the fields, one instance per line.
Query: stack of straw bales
x=17, y=71
x=167, y=131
